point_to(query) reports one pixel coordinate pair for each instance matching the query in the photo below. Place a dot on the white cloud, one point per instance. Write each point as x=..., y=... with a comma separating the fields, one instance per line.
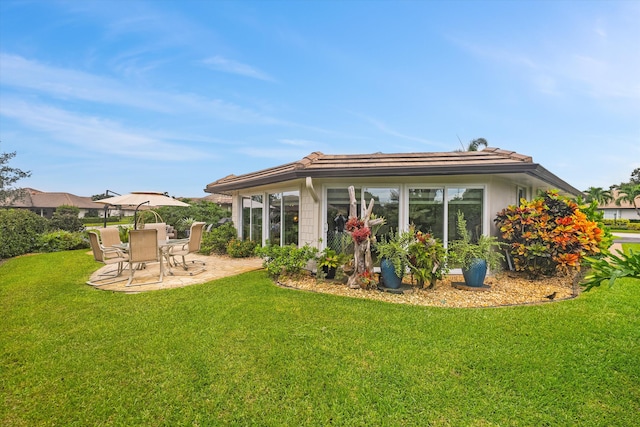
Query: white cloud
x=61, y=83
x=384, y=128
x=220, y=63
x=96, y=134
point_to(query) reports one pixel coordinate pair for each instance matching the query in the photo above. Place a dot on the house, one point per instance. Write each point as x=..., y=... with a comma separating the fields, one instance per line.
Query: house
x=45, y=204
x=307, y=201
x=625, y=210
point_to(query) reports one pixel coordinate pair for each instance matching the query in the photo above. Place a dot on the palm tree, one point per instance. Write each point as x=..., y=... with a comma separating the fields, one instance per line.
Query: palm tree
x=598, y=194
x=476, y=143
x=473, y=144
x=629, y=192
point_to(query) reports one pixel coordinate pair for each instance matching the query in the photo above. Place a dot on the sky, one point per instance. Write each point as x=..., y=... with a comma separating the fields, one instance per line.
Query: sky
x=172, y=95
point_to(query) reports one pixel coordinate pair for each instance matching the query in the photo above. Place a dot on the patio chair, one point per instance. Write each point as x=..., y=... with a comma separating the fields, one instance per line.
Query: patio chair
x=143, y=249
x=110, y=236
x=161, y=227
x=107, y=255
x=190, y=246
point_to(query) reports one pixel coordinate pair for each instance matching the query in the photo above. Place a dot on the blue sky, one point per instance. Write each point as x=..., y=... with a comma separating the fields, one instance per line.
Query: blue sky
x=172, y=95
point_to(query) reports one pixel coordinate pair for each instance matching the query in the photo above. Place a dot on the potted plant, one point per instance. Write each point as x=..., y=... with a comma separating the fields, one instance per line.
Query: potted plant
x=474, y=258
x=427, y=259
x=329, y=260
x=394, y=258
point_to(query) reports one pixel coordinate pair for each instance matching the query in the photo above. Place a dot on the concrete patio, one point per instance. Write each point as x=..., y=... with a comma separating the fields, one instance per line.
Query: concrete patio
x=217, y=267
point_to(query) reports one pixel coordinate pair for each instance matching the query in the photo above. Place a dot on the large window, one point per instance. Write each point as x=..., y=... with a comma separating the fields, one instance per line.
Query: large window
x=284, y=209
x=386, y=204
x=469, y=201
x=252, y=218
x=426, y=210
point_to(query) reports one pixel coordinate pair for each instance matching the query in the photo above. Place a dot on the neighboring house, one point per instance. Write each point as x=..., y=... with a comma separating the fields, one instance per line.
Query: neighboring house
x=307, y=201
x=222, y=200
x=45, y=204
x=625, y=211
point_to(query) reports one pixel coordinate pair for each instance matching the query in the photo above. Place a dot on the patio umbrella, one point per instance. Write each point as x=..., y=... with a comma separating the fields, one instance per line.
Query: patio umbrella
x=139, y=198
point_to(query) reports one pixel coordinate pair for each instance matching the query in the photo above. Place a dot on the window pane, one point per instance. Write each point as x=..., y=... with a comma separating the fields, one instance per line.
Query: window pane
x=387, y=201
x=275, y=218
x=426, y=210
x=246, y=218
x=469, y=202
x=256, y=218
x=337, y=215
x=291, y=208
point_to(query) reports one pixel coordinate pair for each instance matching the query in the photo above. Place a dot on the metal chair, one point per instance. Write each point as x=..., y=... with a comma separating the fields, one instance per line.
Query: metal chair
x=161, y=227
x=143, y=248
x=110, y=236
x=191, y=246
x=107, y=255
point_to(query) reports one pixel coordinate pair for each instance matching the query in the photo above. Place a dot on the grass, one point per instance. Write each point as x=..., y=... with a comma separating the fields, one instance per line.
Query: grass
x=634, y=246
x=241, y=351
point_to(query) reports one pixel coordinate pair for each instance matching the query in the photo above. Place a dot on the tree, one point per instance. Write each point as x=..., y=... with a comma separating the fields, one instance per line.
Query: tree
x=473, y=145
x=8, y=177
x=598, y=194
x=629, y=192
x=66, y=218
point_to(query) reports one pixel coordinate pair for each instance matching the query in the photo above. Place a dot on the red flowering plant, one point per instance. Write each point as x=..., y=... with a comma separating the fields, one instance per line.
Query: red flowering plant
x=358, y=231
x=427, y=257
x=548, y=234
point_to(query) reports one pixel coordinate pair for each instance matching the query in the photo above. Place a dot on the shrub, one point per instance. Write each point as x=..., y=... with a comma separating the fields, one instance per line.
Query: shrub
x=216, y=240
x=19, y=231
x=241, y=248
x=611, y=268
x=289, y=260
x=548, y=234
x=62, y=240
x=66, y=218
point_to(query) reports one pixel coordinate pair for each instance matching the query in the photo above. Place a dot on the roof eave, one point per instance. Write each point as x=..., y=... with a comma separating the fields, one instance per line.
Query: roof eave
x=532, y=169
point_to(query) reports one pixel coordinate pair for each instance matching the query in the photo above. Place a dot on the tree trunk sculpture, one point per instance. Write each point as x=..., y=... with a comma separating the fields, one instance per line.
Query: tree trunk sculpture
x=360, y=231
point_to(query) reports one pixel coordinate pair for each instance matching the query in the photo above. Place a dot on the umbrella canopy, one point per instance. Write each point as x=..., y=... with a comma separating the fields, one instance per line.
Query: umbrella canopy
x=136, y=198
x=139, y=198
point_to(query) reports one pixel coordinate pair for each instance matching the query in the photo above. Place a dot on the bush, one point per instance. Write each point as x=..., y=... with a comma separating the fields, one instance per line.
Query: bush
x=548, y=234
x=289, y=260
x=241, y=248
x=62, y=240
x=19, y=231
x=216, y=240
x=66, y=218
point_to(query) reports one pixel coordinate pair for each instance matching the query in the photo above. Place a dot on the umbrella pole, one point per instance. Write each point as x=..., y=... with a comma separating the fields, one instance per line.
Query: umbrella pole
x=135, y=215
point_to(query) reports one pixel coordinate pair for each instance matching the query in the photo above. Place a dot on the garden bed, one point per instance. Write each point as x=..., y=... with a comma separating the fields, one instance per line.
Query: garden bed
x=506, y=289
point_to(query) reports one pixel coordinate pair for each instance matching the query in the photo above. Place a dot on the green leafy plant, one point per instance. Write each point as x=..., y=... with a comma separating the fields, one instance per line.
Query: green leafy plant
x=62, y=240
x=241, y=248
x=285, y=260
x=611, y=268
x=19, y=231
x=217, y=240
x=427, y=258
x=394, y=248
x=66, y=218
x=330, y=258
x=464, y=252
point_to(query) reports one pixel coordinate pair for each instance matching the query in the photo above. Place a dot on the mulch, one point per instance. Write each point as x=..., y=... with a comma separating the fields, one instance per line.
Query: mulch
x=502, y=289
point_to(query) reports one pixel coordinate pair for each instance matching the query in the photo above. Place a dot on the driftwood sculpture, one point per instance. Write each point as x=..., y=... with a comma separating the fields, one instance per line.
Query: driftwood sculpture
x=360, y=230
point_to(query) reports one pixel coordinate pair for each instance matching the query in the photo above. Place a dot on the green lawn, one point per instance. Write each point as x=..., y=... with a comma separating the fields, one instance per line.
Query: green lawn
x=242, y=351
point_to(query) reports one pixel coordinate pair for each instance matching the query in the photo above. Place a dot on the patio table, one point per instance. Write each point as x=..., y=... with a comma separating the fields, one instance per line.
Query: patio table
x=163, y=248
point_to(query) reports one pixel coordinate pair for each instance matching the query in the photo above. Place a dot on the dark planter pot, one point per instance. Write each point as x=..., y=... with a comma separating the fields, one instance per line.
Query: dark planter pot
x=388, y=274
x=329, y=272
x=475, y=274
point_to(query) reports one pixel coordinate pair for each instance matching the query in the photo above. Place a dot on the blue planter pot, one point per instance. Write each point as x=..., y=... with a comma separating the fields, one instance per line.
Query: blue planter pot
x=475, y=274
x=388, y=274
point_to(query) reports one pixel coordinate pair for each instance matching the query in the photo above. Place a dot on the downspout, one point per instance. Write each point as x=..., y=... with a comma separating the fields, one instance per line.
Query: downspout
x=312, y=191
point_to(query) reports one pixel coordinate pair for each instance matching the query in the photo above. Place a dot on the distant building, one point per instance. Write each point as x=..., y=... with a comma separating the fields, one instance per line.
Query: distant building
x=625, y=211
x=45, y=204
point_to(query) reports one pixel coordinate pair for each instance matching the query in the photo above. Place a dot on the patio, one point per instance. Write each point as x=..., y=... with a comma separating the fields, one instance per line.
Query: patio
x=217, y=267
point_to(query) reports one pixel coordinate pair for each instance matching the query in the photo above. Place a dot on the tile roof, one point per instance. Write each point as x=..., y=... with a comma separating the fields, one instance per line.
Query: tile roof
x=40, y=199
x=318, y=165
